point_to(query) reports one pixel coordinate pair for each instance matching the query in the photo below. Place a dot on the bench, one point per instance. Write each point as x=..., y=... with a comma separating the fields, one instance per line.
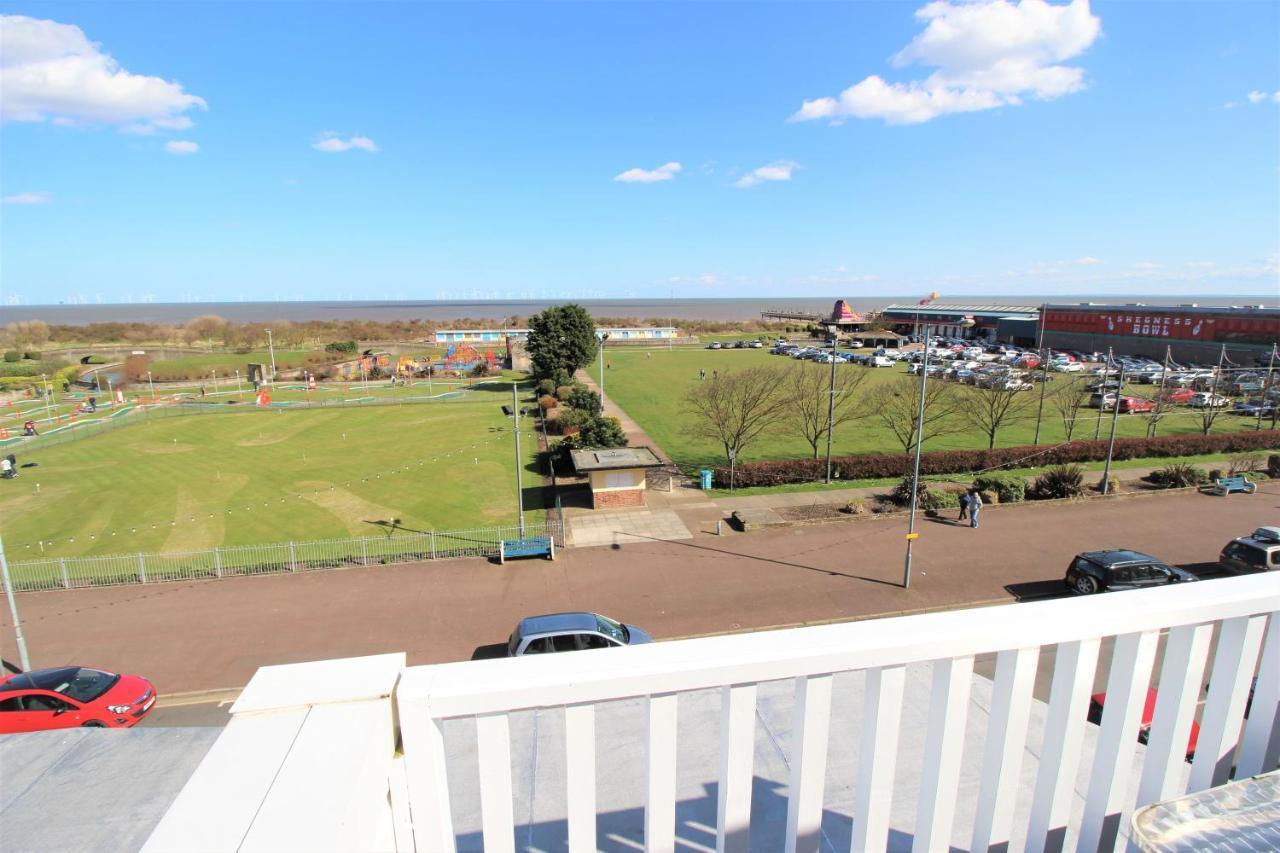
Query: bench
x=1226, y=485
x=536, y=546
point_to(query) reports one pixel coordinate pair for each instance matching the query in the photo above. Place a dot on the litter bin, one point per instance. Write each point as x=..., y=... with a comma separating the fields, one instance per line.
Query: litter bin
x=706, y=477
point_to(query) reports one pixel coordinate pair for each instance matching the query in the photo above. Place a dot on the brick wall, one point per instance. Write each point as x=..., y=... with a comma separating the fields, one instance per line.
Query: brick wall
x=616, y=499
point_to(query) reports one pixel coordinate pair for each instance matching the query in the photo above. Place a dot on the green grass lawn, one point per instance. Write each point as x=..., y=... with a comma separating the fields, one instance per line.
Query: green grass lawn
x=241, y=477
x=225, y=364
x=651, y=386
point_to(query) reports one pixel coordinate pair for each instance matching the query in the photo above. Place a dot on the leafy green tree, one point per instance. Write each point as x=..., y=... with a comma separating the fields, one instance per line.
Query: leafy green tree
x=601, y=432
x=586, y=400
x=561, y=338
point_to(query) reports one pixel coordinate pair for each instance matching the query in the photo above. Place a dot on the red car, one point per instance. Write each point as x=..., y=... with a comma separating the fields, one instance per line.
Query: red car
x=1148, y=711
x=1179, y=396
x=1135, y=404
x=66, y=697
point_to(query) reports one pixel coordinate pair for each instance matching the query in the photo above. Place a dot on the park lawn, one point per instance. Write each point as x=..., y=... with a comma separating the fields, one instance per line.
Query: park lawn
x=225, y=364
x=240, y=477
x=650, y=386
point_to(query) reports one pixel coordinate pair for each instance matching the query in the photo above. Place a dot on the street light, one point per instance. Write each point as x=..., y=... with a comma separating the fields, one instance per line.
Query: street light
x=602, y=336
x=515, y=419
x=153, y=386
x=272, y=350
x=965, y=323
x=13, y=611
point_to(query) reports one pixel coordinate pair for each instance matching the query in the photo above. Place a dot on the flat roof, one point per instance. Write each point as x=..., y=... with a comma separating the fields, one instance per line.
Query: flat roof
x=618, y=457
x=998, y=310
x=1255, y=310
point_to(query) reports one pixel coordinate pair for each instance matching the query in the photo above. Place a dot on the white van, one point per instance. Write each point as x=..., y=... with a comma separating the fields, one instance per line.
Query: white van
x=880, y=361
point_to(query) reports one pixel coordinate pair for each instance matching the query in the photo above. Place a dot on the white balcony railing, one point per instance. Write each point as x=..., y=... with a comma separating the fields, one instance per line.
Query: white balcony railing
x=882, y=737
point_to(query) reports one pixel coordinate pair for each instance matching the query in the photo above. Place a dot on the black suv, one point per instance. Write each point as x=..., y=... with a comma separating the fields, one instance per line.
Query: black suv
x=1101, y=571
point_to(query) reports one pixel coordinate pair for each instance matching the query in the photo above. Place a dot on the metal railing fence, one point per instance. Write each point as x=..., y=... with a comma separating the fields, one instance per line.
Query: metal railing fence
x=270, y=558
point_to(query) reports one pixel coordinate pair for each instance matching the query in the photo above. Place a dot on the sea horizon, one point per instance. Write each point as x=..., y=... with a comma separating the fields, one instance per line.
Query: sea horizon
x=650, y=309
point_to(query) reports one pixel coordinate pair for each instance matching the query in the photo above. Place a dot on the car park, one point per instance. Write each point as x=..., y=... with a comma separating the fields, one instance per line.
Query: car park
x=571, y=632
x=1120, y=569
x=66, y=697
x=1257, y=552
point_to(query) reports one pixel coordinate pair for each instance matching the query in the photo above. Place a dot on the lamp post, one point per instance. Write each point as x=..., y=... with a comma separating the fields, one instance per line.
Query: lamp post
x=1115, y=416
x=515, y=420
x=831, y=406
x=1266, y=389
x=966, y=323
x=239, y=389
x=13, y=611
x=602, y=336
x=152, y=384
x=272, y=350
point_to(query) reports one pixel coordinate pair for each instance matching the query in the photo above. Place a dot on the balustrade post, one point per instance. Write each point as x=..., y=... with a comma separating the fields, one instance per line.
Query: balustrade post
x=293, y=558
x=433, y=544
x=66, y=579
x=142, y=568
x=217, y=562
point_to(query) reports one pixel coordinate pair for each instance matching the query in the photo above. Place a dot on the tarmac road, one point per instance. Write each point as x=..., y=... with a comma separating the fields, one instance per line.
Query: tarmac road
x=212, y=635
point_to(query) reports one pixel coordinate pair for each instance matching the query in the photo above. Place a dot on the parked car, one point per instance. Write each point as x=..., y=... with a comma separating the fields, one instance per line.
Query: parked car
x=715, y=345
x=1253, y=408
x=855, y=344
x=1179, y=396
x=66, y=697
x=571, y=632
x=1257, y=552
x=1104, y=571
x=1067, y=366
x=756, y=344
x=880, y=361
x=1135, y=404
x=1097, y=704
x=1205, y=400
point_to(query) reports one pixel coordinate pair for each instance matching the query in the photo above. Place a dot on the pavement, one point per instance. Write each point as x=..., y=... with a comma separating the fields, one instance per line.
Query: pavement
x=210, y=635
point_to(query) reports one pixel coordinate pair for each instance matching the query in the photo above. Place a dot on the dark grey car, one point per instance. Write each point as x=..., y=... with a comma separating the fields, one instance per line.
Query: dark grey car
x=571, y=632
x=1101, y=571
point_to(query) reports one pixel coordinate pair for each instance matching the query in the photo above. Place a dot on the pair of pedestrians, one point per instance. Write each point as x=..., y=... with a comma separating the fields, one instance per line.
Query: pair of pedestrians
x=970, y=505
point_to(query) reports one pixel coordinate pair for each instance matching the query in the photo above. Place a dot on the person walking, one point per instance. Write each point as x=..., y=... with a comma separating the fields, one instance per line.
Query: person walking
x=6, y=469
x=702, y=374
x=964, y=506
x=975, y=506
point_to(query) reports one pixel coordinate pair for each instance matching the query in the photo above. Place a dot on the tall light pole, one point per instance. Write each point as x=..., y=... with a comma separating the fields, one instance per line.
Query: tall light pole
x=1266, y=389
x=1111, y=444
x=602, y=336
x=1160, y=401
x=515, y=420
x=965, y=323
x=239, y=389
x=831, y=406
x=151, y=383
x=272, y=350
x=1106, y=374
x=13, y=611
x=1044, y=376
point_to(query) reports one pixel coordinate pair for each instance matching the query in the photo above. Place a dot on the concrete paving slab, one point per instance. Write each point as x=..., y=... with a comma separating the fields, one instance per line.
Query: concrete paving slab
x=631, y=526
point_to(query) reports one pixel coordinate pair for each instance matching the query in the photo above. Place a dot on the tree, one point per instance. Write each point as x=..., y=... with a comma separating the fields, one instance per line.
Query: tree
x=561, y=338
x=136, y=367
x=737, y=408
x=28, y=334
x=205, y=328
x=813, y=403
x=599, y=431
x=897, y=405
x=1159, y=409
x=993, y=408
x=1068, y=401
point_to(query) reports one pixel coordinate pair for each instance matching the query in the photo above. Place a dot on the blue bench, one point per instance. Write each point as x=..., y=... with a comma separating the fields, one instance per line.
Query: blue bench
x=1226, y=485
x=536, y=546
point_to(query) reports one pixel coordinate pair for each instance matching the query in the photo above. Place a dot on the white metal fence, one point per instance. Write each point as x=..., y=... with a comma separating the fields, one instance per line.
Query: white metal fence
x=275, y=557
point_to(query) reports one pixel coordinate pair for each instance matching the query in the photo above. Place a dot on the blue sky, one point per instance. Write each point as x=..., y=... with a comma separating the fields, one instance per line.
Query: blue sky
x=261, y=151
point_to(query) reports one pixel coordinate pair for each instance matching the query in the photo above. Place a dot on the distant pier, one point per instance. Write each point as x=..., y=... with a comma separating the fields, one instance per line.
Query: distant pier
x=807, y=316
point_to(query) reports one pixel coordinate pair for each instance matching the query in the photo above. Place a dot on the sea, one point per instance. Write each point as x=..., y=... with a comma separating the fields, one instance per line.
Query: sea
x=653, y=310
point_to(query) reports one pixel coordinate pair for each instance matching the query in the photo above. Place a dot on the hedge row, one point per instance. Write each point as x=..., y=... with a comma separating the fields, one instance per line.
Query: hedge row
x=884, y=465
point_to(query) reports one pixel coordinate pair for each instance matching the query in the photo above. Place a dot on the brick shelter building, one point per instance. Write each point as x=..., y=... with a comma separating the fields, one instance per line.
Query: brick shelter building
x=617, y=475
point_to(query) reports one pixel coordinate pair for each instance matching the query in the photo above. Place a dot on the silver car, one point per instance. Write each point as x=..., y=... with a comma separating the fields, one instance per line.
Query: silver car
x=571, y=632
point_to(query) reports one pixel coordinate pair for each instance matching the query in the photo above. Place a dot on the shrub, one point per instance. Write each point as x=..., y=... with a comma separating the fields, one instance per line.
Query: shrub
x=33, y=355
x=1216, y=474
x=339, y=347
x=855, y=507
x=1243, y=463
x=1257, y=476
x=546, y=402
x=935, y=499
x=586, y=400
x=901, y=494
x=1008, y=488
x=12, y=356
x=572, y=418
x=546, y=387
x=481, y=369
x=1273, y=465
x=1179, y=475
x=1112, y=484
x=601, y=432
x=563, y=392
x=939, y=462
x=1060, y=481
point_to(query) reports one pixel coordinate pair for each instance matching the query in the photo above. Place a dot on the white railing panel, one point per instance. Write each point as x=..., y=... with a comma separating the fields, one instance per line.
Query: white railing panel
x=1127, y=684
x=944, y=747
x=737, y=758
x=493, y=745
x=580, y=775
x=1233, y=665
x=660, y=805
x=1006, y=738
x=427, y=776
x=1164, y=772
x=1073, y=671
x=401, y=815
x=809, y=735
x=877, y=757
x=1260, y=750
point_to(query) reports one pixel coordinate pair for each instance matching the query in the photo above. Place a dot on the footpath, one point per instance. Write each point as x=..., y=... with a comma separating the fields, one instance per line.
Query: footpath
x=209, y=635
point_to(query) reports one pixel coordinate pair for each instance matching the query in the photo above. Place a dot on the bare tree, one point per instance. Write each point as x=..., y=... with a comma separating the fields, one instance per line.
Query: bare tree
x=205, y=328
x=897, y=405
x=990, y=409
x=1069, y=401
x=816, y=403
x=1159, y=408
x=737, y=407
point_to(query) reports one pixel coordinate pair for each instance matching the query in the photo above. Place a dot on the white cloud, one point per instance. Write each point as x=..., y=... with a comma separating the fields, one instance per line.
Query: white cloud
x=665, y=172
x=51, y=71
x=779, y=171
x=27, y=198
x=1256, y=97
x=708, y=278
x=1088, y=261
x=331, y=143
x=988, y=54
x=181, y=146
x=1145, y=265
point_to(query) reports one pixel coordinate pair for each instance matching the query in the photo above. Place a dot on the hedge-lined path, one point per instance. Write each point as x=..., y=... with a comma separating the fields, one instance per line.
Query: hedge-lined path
x=214, y=634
